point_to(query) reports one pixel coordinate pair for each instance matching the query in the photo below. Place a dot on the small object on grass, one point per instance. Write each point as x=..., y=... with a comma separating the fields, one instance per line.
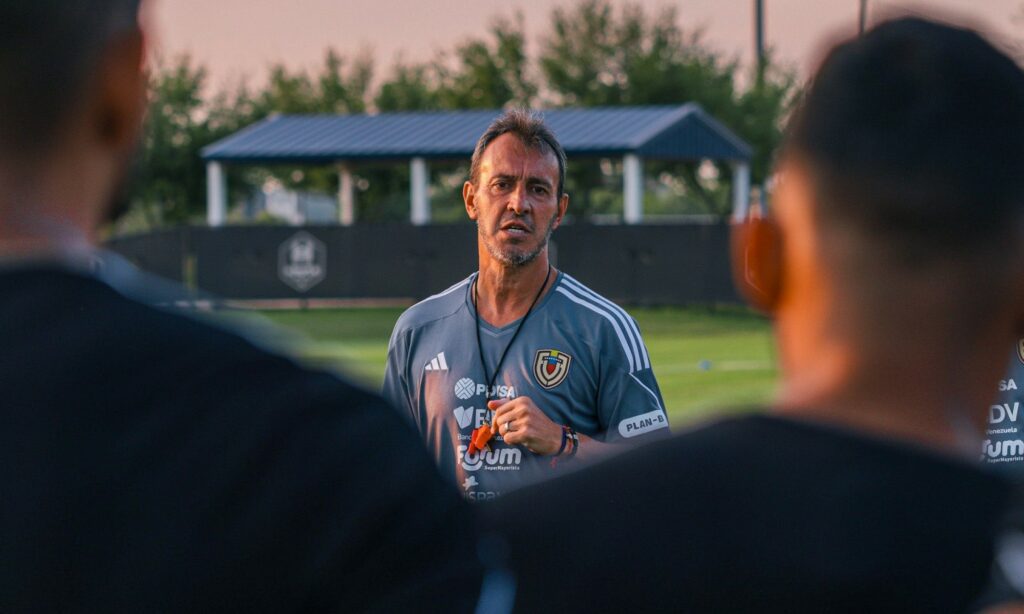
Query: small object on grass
x=704, y=365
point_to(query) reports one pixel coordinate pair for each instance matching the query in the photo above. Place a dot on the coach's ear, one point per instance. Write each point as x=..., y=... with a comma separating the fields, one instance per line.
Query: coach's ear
x=469, y=197
x=563, y=206
x=756, y=246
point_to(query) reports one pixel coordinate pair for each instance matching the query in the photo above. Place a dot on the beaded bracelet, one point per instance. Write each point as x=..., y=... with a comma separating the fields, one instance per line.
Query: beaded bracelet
x=568, y=435
x=575, y=441
x=565, y=439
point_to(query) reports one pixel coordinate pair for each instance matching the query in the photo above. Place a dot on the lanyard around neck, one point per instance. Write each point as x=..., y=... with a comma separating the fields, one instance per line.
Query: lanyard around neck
x=479, y=346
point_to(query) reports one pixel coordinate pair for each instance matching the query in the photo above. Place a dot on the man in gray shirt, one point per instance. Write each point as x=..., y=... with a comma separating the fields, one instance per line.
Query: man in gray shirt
x=519, y=367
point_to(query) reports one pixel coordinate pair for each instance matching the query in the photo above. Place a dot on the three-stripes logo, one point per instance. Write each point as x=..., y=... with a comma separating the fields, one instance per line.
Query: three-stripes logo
x=437, y=364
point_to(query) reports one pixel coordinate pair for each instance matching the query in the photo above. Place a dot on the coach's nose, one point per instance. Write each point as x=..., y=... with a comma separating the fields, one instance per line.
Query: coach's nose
x=519, y=200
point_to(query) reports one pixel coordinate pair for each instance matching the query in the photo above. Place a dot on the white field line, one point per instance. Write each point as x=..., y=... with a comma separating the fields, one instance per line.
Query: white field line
x=720, y=365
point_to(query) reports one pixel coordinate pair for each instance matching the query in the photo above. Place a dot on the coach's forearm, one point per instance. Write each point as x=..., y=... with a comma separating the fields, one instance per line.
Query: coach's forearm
x=591, y=449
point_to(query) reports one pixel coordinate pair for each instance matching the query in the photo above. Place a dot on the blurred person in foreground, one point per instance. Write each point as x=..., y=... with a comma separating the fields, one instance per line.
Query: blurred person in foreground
x=519, y=367
x=1003, y=451
x=149, y=462
x=892, y=266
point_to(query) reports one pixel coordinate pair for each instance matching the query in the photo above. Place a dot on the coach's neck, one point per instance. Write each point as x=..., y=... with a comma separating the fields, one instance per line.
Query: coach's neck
x=505, y=292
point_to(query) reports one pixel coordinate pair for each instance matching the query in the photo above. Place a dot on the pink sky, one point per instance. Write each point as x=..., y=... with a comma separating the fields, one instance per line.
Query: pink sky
x=238, y=39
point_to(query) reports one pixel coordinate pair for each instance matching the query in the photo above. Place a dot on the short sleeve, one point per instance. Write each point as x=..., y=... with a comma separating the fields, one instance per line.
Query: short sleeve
x=630, y=406
x=395, y=389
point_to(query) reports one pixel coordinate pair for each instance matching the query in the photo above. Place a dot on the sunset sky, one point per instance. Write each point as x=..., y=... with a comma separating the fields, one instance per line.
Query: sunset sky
x=239, y=39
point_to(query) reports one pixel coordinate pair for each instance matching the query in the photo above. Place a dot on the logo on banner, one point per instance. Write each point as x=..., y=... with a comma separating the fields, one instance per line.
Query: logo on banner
x=302, y=261
x=1020, y=349
x=550, y=367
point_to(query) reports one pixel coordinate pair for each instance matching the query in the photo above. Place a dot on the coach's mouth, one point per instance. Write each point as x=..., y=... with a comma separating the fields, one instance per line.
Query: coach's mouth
x=516, y=229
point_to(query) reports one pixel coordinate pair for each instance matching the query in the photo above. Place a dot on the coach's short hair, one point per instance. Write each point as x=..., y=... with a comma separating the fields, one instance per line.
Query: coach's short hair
x=48, y=49
x=531, y=130
x=914, y=134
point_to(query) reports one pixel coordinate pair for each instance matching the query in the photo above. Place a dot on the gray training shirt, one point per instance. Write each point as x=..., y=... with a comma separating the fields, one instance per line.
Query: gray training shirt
x=579, y=358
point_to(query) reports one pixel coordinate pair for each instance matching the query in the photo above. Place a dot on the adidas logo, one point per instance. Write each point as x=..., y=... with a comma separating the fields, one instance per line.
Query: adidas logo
x=437, y=364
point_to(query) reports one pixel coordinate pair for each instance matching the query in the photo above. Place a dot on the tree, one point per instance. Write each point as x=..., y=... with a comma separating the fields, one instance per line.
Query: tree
x=168, y=180
x=490, y=74
x=595, y=56
x=340, y=87
x=411, y=88
x=481, y=74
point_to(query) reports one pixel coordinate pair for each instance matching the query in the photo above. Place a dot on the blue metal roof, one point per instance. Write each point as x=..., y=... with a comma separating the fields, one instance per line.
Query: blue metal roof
x=664, y=132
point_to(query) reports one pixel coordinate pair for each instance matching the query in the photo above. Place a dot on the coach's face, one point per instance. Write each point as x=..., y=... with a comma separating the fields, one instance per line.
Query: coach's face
x=515, y=200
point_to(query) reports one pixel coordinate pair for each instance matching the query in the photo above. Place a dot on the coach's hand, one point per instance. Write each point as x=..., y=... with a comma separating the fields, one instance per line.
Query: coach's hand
x=520, y=422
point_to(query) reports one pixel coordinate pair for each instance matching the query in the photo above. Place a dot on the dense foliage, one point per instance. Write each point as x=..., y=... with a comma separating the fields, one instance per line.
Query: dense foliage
x=594, y=54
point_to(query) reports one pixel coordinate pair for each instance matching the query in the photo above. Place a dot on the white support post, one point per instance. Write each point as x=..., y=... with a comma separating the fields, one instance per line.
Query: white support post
x=632, y=189
x=216, y=194
x=419, y=184
x=346, y=196
x=740, y=190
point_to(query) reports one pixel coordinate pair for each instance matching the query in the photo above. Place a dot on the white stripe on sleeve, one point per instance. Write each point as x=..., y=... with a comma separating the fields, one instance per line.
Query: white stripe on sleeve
x=627, y=322
x=618, y=331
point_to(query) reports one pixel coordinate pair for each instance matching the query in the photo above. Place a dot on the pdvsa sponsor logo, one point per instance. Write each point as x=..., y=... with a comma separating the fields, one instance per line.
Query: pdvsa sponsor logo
x=997, y=414
x=1009, y=451
x=466, y=388
x=644, y=423
x=1007, y=384
x=495, y=459
x=470, y=416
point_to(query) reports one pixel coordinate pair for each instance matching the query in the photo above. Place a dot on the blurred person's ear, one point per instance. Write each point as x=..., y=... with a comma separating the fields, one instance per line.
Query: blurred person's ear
x=756, y=246
x=121, y=93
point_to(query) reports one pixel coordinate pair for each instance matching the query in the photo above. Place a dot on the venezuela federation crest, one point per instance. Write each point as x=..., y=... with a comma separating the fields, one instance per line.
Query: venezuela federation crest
x=550, y=367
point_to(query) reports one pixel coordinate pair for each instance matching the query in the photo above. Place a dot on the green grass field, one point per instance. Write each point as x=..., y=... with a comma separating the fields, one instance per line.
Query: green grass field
x=706, y=361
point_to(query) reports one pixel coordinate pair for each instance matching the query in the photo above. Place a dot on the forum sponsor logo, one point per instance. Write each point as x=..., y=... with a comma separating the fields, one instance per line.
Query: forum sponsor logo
x=495, y=459
x=1008, y=451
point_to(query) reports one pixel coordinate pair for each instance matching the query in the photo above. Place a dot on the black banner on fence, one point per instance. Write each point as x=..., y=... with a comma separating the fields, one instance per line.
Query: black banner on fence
x=663, y=264
x=161, y=252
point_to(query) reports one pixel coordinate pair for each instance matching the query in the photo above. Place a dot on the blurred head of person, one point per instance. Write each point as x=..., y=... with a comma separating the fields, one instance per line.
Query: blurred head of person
x=72, y=96
x=892, y=257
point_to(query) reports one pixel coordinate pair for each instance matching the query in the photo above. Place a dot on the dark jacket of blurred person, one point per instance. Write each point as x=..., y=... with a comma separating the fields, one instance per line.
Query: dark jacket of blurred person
x=892, y=266
x=149, y=462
